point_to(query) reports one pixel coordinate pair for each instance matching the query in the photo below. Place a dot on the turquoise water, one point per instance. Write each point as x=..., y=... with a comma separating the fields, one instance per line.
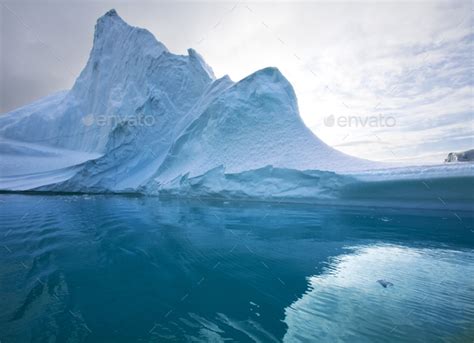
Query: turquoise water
x=137, y=269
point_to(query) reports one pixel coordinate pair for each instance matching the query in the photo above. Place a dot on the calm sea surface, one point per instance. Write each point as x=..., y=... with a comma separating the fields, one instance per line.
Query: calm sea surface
x=138, y=269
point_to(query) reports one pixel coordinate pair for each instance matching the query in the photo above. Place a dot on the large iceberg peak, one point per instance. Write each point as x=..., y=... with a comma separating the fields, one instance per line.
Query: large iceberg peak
x=113, y=33
x=268, y=90
x=119, y=58
x=140, y=116
x=110, y=21
x=268, y=80
x=111, y=13
x=267, y=74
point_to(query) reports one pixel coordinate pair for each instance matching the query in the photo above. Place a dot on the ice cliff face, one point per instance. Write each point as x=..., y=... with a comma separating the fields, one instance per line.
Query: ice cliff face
x=142, y=119
x=128, y=74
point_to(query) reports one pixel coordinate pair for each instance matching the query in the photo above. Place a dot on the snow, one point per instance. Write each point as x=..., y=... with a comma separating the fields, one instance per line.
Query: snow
x=27, y=166
x=142, y=119
x=266, y=183
x=416, y=187
x=254, y=123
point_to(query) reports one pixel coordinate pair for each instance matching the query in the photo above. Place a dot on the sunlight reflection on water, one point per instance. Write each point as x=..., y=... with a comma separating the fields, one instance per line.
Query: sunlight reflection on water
x=122, y=269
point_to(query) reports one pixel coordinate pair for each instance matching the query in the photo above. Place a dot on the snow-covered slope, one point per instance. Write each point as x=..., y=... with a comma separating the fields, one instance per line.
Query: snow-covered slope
x=254, y=123
x=142, y=119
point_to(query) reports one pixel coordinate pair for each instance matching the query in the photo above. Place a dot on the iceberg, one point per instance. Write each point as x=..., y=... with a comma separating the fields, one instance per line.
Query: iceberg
x=464, y=156
x=140, y=119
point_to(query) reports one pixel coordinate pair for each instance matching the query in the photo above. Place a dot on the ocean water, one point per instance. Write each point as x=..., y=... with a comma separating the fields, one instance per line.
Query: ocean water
x=139, y=269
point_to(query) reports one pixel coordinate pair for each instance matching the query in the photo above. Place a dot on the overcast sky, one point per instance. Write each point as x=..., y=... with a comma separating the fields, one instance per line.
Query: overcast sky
x=384, y=81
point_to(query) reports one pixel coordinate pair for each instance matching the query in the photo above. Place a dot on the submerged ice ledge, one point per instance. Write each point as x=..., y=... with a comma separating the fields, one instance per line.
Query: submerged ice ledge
x=429, y=190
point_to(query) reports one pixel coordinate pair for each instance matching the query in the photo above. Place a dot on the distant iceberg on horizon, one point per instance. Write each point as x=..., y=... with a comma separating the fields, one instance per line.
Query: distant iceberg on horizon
x=462, y=156
x=140, y=119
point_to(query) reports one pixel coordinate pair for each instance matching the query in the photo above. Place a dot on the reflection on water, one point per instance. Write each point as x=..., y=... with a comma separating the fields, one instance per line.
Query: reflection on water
x=126, y=269
x=430, y=300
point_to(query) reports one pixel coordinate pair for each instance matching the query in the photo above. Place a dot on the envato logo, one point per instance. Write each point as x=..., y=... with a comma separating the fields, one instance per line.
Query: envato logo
x=112, y=120
x=360, y=121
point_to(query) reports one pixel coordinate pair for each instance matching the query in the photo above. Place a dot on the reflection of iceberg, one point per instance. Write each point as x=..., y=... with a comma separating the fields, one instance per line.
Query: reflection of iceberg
x=195, y=328
x=143, y=255
x=346, y=304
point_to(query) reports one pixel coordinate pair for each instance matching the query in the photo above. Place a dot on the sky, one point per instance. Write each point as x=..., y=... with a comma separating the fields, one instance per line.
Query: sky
x=387, y=81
